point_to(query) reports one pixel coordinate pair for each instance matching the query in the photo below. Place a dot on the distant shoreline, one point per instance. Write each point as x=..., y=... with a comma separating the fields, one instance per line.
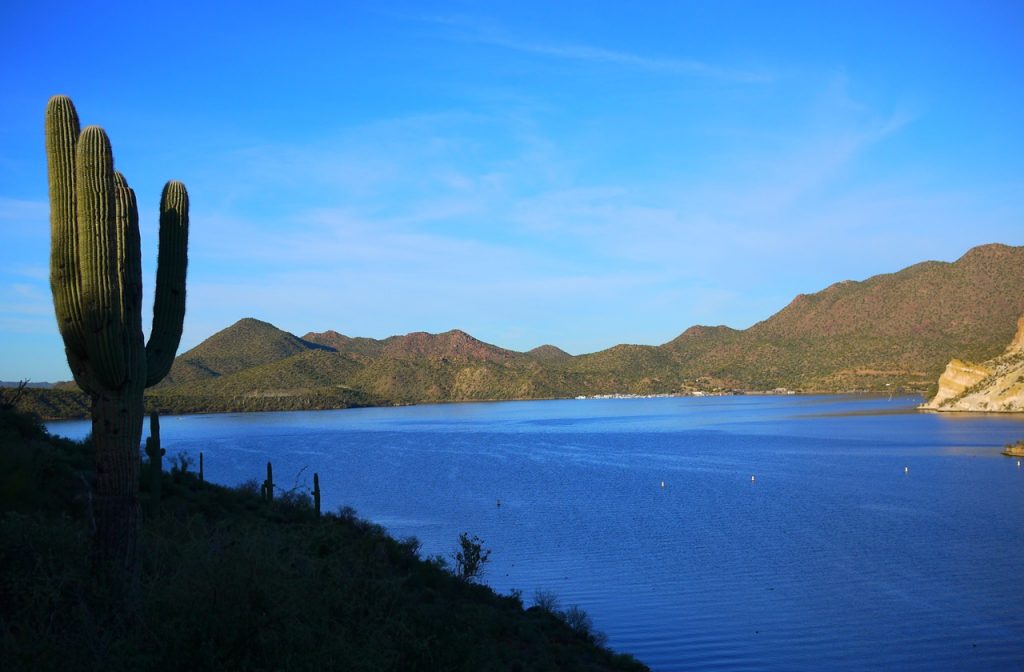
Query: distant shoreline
x=1015, y=450
x=84, y=415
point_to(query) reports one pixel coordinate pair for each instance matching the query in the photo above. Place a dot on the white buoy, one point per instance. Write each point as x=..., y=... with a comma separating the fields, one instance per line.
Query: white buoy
x=752, y=479
x=663, y=482
x=906, y=470
x=1018, y=464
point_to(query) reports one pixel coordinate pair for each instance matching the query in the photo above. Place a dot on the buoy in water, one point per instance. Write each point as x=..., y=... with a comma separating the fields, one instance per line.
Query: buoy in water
x=906, y=470
x=753, y=478
x=663, y=482
x=499, y=502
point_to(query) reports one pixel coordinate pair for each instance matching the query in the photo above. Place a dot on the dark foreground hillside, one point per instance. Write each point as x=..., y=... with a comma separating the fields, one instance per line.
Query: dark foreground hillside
x=231, y=581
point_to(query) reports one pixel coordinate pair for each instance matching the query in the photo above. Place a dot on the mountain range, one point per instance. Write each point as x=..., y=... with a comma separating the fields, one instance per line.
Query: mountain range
x=891, y=331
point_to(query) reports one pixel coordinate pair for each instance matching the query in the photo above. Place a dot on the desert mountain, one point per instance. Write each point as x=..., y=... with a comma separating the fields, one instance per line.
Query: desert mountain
x=548, y=353
x=896, y=329
x=451, y=345
x=244, y=345
x=891, y=331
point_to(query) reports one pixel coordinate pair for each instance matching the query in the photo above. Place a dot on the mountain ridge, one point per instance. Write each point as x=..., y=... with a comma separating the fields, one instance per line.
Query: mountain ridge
x=890, y=331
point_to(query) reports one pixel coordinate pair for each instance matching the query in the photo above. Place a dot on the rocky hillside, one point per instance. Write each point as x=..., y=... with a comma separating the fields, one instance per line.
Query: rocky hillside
x=451, y=345
x=890, y=332
x=996, y=385
x=244, y=345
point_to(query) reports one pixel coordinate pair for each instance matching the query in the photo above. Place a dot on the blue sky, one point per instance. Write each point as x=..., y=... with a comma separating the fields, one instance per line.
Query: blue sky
x=575, y=173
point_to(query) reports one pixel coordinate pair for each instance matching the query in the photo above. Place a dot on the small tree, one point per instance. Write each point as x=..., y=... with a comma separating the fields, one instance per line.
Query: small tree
x=10, y=400
x=470, y=557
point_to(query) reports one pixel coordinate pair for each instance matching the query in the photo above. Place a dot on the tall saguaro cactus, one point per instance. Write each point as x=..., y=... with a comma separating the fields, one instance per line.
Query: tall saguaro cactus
x=96, y=279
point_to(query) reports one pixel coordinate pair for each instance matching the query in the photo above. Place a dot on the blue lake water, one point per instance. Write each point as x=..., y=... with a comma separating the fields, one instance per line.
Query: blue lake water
x=871, y=536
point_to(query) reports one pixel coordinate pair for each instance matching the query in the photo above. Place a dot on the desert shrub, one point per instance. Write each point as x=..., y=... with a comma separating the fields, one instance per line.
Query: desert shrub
x=545, y=600
x=470, y=557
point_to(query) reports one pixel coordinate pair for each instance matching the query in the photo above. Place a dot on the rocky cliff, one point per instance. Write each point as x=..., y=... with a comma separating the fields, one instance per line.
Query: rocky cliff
x=996, y=385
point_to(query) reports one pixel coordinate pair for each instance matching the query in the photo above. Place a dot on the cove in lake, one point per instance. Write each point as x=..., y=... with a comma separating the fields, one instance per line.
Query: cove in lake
x=872, y=537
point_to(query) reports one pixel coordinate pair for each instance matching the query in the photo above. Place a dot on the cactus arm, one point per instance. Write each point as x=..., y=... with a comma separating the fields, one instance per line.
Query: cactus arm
x=81, y=372
x=105, y=337
x=62, y=130
x=169, y=301
x=129, y=258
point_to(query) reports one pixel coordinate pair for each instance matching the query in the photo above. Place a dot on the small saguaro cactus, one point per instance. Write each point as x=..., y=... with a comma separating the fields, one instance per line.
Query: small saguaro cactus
x=155, y=454
x=268, y=485
x=96, y=280
x=316, y=493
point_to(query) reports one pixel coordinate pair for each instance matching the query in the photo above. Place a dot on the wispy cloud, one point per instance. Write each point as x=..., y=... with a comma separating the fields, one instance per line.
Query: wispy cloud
x=490, y=222
x=23, y=219
x=473, y=30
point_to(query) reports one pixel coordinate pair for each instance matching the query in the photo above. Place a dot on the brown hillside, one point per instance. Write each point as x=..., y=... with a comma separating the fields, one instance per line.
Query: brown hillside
x=548, y=353
x=896, y=329
x=891, y=331
x=246, y=344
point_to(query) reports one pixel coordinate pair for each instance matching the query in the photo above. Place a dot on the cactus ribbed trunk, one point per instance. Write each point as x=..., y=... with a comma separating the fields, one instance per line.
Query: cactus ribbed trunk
x=116, y=428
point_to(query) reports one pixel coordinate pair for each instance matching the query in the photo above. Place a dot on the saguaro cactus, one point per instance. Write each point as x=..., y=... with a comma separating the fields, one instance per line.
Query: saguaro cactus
x=316, y=493
x=156, y=454
x=268, y=485
x=96, y=279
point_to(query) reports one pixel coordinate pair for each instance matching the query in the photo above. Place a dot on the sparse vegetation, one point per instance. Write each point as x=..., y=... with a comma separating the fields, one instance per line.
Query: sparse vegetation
x=575, y=616
x=470, y=557
x=230, y=581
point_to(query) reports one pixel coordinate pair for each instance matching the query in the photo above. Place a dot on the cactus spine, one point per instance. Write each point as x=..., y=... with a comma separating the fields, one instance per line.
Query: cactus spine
x=96, y=280
x=316, y=493
x=155, y=454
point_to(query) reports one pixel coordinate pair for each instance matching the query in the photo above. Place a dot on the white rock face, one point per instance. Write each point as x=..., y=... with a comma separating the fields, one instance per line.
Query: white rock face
x=995, y=386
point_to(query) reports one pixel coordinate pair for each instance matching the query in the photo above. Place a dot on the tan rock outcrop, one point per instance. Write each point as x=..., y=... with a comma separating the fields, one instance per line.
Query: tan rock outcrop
x=995, y=386
x=956, y=379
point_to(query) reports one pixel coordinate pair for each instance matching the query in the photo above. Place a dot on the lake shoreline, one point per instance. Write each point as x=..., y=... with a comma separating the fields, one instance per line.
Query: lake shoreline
x=38, y=402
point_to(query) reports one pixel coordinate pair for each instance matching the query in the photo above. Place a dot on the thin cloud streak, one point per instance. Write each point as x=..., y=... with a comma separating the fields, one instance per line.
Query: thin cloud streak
x=485, y=231
x=476, y=31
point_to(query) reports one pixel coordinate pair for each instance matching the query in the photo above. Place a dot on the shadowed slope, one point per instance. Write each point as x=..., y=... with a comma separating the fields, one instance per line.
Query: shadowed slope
x=245, y=344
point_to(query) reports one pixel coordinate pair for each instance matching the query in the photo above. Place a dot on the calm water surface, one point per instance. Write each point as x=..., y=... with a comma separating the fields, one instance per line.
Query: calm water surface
x=833, y=557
